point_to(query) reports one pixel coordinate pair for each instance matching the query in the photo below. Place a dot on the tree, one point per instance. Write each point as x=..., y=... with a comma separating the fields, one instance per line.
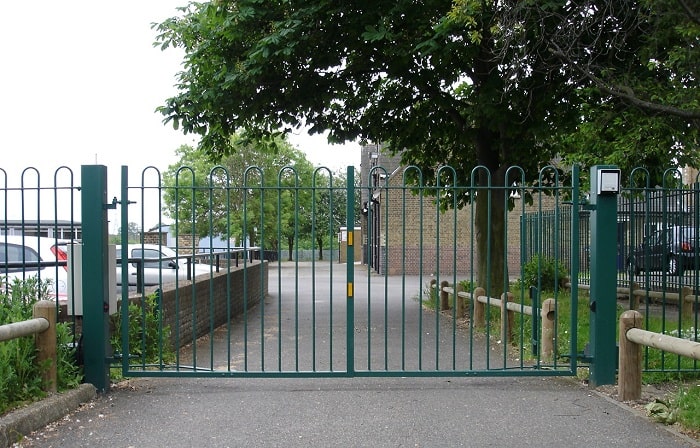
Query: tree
x=133, y=233
x=643, y=53
x=470, y=84
x=233, y=198
x=636, y=67
x=330, y=207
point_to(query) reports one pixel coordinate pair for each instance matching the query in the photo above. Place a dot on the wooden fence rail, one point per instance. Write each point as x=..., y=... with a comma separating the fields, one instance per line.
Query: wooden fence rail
x=43, y=325
x=685, y=298
x=632, y=338
x=508, y=310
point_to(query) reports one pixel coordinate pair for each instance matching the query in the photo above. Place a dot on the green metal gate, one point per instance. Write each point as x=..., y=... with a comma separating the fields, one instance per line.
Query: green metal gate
x=407, y=305
x=391, y=309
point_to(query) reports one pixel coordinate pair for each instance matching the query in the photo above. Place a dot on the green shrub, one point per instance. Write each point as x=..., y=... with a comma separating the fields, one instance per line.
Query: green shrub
x=149, y=340
x=544, y=272
x=20, y=375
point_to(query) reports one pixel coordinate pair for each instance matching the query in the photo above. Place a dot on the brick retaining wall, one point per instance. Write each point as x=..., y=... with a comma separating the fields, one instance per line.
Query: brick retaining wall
x=210, y=308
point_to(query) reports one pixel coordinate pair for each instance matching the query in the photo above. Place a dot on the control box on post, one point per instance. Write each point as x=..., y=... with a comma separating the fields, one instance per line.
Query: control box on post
x=75, y=279
x=605, y=187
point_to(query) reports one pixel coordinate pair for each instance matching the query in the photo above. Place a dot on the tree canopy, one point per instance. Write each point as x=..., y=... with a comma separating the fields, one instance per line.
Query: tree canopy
x=275, y=199
x=466, y=83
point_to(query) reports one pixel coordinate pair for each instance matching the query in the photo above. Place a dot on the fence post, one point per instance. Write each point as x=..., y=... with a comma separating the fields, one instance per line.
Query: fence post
x=630, y=373
x=444, y=295
x=685, y=306
x=459, y=302
x=479, y=308
x=548, y=318
x=634, y=298
x=507, y=318
x=46, y=344
x=96, y=347
x=605, y=186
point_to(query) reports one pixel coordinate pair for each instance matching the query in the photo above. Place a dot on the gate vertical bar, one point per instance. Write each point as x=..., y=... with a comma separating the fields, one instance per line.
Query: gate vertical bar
x=124, y=243
x=605, y=184
x=95, y=275
x=575, y=264
x=350, y=259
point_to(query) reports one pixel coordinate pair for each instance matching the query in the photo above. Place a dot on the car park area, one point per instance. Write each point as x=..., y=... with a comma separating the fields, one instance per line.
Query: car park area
x=31, y=257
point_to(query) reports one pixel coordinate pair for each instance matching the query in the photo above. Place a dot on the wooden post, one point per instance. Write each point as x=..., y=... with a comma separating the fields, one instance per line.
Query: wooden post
x=507, y=318
x=634, y=298
x=444, y=295
x=630, y=362
x=46, y=344
x=548, y=314
x=685, y=306
x=479, y=308
x=459, y=301
x=565, y=282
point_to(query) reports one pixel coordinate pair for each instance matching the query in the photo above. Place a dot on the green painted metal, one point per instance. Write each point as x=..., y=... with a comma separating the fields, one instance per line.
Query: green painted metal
x=95, y=276
x=124, y=243
x=603, y=300
x=313, y=324
x=350, y=273
x=384, y=318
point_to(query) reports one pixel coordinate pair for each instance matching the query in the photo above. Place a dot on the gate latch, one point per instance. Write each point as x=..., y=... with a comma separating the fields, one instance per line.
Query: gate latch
x=112, y=205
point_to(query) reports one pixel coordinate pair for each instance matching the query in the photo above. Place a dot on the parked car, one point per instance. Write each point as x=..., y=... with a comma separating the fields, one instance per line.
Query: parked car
x=24, y=257
x=671, y=250
x=160, y=265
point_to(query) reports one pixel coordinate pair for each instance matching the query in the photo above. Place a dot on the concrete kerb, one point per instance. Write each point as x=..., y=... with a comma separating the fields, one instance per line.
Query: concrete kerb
x=24, y=421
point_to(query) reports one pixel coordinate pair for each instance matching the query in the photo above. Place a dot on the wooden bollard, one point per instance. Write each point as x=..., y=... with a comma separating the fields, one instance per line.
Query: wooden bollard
x=46, y=344
x=479, y=308
x=548, y=314
x=685, y=306
x=630, y=359
x=507, y=318
x=459, y=302
x=634, y=298
x=444, y=295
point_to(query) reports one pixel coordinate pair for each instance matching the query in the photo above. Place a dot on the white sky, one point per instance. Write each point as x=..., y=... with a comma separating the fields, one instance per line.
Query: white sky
x=79, y=84
x=81, y=81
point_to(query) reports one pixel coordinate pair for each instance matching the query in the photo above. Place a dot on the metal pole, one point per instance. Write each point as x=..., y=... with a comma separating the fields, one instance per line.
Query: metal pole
x=350, y=260
x=605, y=185
x=95, y=276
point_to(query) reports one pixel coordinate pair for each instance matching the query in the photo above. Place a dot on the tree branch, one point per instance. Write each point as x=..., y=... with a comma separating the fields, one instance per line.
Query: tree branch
x=694, y=16
x=627, y=94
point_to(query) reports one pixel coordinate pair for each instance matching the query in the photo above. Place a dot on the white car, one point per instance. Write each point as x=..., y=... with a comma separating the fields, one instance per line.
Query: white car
x=160, y=265
x=24, y=257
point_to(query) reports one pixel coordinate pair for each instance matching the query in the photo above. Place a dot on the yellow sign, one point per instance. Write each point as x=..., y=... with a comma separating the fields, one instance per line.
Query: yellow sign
x=350, y=237
x=350, y=291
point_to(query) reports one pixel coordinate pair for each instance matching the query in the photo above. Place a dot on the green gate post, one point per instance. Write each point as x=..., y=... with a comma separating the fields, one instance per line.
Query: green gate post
x=350, y=261
x=605, y=186
x=96, y=347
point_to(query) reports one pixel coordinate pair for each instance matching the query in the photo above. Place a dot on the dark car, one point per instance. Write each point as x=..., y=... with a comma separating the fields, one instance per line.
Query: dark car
x=672, y=250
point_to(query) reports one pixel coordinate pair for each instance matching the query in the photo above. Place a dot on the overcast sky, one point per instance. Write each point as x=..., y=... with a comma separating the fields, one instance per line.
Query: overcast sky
x=79, y=84
x=81, y=80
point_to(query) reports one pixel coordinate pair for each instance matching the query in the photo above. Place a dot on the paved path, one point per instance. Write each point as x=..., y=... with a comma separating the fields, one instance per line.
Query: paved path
x=357, y=412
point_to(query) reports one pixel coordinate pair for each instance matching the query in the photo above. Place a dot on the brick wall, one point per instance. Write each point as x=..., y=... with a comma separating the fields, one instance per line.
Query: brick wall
x=414, y=235
x=196, y=324
x=184, y=241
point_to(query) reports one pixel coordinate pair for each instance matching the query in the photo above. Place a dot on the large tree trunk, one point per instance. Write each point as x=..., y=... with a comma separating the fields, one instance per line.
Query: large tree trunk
x=489, y=219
